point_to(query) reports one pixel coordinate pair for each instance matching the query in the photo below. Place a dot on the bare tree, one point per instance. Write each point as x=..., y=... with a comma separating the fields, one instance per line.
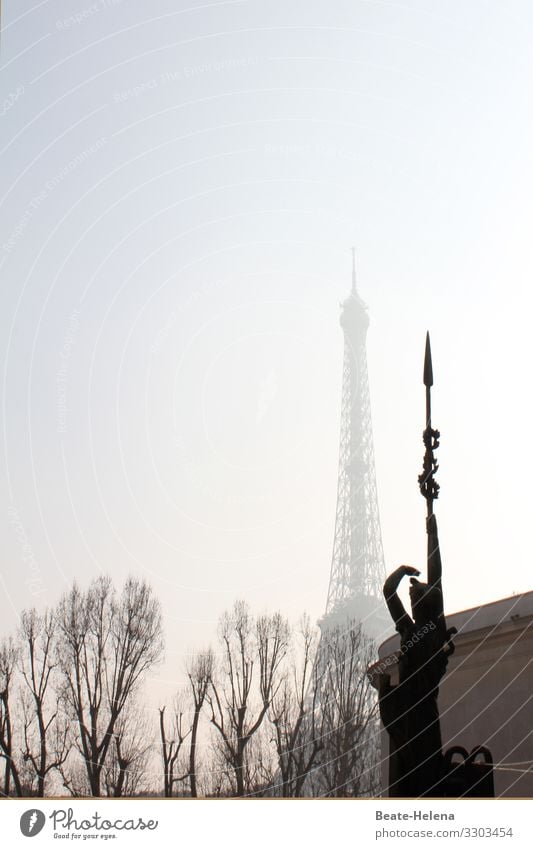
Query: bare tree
x=106, y=644
x=260, y=764
x=200, y=674
x=296, y=716
x=349, y=757
x=126, y=766
x=8, y=661
x=45, y=731
x=74, y=775
x=252, y=653
x=172, y=748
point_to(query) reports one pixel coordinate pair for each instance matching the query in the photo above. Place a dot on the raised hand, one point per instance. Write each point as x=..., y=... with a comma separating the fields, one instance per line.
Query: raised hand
x=391, y=584
x=410, y=570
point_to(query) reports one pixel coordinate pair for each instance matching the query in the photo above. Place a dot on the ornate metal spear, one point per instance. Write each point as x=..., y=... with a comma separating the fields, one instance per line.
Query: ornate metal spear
x=428, y=485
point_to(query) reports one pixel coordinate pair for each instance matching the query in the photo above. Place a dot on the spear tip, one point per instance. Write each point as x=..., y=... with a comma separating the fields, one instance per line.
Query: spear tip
x=428, y=366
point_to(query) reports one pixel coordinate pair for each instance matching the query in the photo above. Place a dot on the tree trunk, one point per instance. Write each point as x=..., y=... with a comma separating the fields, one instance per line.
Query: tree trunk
x=192, y=754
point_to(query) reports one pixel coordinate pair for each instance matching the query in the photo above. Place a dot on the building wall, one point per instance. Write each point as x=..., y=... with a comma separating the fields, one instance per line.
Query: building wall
x=486, y=698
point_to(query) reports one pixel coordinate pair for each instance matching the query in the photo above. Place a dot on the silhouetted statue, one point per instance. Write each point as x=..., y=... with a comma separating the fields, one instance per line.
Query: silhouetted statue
x=409, y=710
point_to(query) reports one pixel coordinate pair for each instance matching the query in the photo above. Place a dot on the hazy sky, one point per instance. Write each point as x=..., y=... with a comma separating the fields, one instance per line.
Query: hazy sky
x=181, y=186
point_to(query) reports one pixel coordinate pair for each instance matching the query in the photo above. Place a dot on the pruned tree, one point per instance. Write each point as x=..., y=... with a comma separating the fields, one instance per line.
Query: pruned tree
x=172, y=746
x=296, y=716
x=200, y=674
x=350, y=732
x=247, y=682
x=46, y=743
x=260, y=764
x=8, y=661
x=74, y=776
x=107, y=642
x=126, y=767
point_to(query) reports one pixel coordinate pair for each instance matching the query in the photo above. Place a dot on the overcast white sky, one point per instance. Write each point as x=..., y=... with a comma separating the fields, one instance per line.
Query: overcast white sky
x=181, y=186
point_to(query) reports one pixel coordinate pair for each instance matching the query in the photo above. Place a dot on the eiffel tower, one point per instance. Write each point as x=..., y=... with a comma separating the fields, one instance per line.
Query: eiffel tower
x=357, y=566
x=338, y=706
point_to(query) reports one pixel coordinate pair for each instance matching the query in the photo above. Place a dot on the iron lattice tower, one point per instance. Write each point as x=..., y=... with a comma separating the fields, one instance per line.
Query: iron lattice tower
x=357, y=567
x=338, y=706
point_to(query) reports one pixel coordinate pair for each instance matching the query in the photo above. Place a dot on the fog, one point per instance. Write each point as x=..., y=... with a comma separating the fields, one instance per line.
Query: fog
x=181, y=187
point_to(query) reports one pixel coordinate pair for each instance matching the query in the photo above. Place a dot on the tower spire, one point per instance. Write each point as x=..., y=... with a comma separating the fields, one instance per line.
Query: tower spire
x=354, y=280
